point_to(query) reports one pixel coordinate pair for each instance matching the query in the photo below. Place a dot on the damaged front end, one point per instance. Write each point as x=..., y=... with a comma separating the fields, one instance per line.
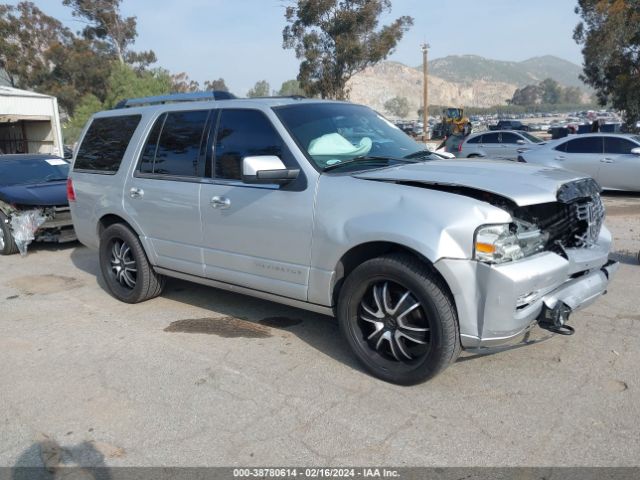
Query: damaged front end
x=25, y=224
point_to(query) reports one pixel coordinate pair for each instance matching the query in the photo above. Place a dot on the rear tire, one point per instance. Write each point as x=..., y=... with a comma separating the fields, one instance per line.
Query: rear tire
x=399, y=319
x=7, y=243
x=125, y=268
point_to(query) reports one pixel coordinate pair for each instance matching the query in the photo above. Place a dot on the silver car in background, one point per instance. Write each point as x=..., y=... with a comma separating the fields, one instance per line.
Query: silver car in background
x=613, y=160
x=501, y=144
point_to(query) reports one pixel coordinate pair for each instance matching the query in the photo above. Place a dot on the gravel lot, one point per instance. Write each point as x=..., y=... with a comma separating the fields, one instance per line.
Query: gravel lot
x=205, y=377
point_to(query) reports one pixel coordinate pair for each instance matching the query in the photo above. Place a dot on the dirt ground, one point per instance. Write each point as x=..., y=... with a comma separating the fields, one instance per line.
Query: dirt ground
x=204, y=377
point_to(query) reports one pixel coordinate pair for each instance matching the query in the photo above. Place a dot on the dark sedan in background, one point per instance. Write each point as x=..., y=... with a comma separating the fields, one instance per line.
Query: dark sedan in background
x=33, y=201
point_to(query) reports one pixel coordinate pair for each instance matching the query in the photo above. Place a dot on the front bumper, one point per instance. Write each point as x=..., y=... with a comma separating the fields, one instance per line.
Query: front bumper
x=498, y=303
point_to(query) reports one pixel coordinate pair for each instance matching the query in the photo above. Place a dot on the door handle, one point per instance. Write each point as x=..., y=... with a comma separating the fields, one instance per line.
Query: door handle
x=136, y=192
x=561, y=157
x=220, y=202
x=606, y=160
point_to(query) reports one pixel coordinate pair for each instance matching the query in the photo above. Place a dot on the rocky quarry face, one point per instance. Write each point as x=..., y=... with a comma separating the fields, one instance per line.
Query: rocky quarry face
x=386, y=80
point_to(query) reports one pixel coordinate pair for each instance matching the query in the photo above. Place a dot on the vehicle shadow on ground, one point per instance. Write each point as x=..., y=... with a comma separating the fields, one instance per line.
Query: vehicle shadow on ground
x=238, y=315
x=48, y=460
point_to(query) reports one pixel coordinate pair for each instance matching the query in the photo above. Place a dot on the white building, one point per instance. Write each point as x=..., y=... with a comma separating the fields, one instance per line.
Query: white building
x=29, y=122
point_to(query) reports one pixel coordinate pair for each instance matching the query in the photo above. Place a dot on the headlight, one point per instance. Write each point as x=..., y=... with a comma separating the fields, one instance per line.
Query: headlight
x=508, y=242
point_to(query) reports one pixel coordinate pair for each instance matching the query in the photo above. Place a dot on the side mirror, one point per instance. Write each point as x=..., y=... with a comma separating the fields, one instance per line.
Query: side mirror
x=520, y=142
x=635, y=151
x=267, y=169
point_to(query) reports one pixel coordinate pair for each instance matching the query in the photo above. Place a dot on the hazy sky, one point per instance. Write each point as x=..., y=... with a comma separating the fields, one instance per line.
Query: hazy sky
x=241, y=40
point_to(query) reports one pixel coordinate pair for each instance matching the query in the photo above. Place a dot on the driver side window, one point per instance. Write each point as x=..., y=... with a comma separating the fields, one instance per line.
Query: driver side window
x=243, y=133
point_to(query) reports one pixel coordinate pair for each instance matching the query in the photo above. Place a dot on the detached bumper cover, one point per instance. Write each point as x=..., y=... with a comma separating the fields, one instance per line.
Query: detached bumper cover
x=498, y=303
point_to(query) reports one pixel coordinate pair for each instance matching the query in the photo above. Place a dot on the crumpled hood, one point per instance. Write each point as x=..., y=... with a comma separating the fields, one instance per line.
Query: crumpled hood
x=40, y=195
x=524, y=184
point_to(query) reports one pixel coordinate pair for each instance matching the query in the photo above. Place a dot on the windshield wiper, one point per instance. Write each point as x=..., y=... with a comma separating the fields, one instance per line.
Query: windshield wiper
x=55, y=179
x=421, y=154
x=367, y=158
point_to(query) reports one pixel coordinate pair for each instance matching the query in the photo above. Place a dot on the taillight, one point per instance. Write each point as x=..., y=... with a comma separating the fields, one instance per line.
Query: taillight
x=460, y=147
x=71, y=194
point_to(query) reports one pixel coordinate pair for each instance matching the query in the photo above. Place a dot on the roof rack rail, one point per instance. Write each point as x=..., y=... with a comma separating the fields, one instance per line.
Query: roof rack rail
x=175, y=97
x=293, y=97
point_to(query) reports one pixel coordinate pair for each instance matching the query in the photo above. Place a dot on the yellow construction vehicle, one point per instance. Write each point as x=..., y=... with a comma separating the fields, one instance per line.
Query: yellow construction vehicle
x=454, y=122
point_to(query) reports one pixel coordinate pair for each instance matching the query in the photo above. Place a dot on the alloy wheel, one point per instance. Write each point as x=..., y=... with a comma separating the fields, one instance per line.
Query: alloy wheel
x=393, y=323
x=123, y=264
x=1, y=239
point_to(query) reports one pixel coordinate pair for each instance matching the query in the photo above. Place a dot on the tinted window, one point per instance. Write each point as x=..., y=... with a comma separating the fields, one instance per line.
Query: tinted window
x=475, y=139
x=618, y=145
x=490, y=138
x=178, y=148
x=150, y=148
x=29, y=171
x=509, y=137
x=562, y=147
x=585, y=145
x=105, y=142
x=243, y=133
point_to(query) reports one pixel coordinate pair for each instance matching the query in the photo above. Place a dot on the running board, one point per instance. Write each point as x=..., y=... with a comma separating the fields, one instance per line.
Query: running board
x=247, y=291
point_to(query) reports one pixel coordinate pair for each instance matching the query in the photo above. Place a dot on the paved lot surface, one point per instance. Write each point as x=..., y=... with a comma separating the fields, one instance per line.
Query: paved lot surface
x=204, y=377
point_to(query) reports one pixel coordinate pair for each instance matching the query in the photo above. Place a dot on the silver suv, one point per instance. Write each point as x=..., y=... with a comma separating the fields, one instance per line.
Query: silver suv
x=329, y=207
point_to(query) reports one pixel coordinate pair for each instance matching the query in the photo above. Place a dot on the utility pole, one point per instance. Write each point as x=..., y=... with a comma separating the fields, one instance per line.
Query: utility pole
x=425, y=91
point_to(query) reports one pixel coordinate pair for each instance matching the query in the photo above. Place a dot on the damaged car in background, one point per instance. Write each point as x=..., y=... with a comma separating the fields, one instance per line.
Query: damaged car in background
x=33, y=202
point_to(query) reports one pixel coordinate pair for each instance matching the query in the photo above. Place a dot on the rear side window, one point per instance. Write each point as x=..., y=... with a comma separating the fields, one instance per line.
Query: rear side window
x=244, y=133
x=490, y=138
x=562, y=147
x=173, y=145
x=104, y=144
x=585, y=145
x=475, y=139
x=617, y=145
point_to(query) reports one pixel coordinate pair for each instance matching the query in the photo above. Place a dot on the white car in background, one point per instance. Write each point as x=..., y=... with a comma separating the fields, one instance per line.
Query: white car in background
x=500, y=144
x=613, y=160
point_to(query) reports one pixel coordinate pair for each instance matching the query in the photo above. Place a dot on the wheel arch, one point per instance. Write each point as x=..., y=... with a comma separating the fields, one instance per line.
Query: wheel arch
x=369, y=250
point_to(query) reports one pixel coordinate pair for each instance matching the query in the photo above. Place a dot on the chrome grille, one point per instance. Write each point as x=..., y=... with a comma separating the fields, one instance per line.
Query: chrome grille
x=592, y=214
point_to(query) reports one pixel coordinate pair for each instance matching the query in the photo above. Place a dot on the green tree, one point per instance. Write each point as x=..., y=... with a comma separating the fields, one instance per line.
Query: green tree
x=290, y=87
x=610, y=38
x=216, y=85
x=551, y=91
x=260, y=89
x=88, y=105
x=26, y=36
x=181, y=83
x=571, y=95
x=125, y=82
x=105, y=23
x=335, y=39
x=397, y=106
x=527, y=95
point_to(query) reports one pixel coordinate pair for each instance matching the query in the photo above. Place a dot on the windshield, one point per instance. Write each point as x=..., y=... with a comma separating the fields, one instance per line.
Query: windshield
x=531, y=138
x=32, y=170
x=454, y=113
x=334, y=133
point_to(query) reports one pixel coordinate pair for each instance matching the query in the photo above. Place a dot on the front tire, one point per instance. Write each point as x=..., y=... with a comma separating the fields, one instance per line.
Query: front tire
x=7, y=243
x=399, y=319
x=125, y=268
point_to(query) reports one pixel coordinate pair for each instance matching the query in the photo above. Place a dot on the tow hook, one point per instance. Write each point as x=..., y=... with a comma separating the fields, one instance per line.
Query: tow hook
x=554, y=319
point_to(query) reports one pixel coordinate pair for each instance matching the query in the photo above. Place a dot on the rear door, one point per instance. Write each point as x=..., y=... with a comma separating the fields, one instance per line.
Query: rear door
x=582, y=154
x=620, y=168
x=509, y=145
x=163, y=195
x=491, y=144
x=255, y=236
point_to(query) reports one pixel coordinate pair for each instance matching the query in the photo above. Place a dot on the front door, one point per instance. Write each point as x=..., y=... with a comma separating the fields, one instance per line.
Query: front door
x=582, y=154
x=255, y=236
x=620, y=168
